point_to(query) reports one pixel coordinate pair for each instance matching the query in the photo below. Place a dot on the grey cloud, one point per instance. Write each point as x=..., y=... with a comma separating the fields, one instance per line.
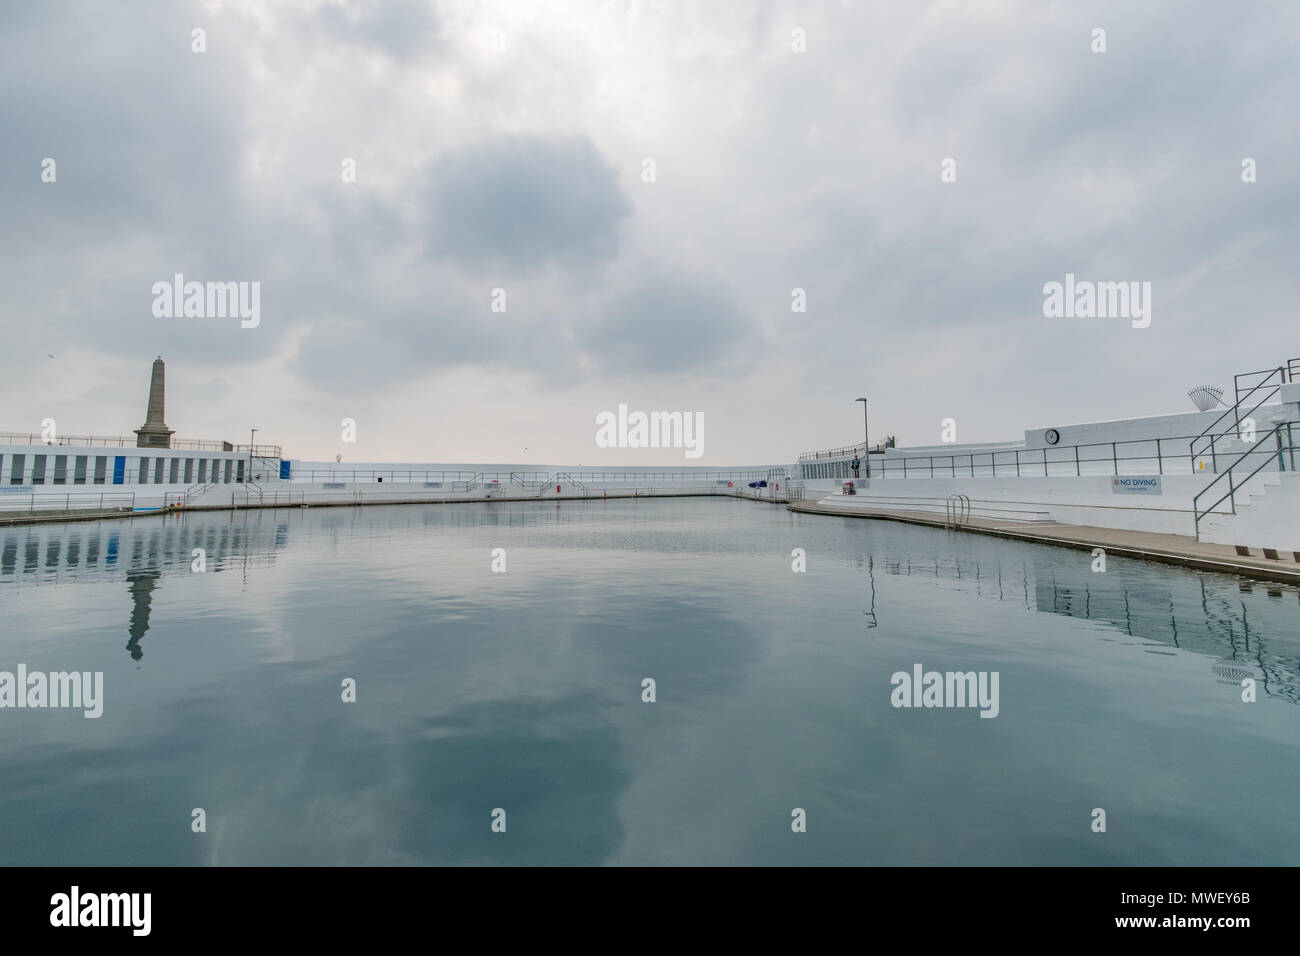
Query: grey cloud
x=668, y=324
x=525, y=202
x=403, y=29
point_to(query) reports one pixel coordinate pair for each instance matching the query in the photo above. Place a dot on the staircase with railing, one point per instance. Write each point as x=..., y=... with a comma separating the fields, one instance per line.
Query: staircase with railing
x=187, y=497
x=1250, y=390
x=1259, y=387
x=563, y=478
x=530, y=480
x=1278, y=445
x=263, y=468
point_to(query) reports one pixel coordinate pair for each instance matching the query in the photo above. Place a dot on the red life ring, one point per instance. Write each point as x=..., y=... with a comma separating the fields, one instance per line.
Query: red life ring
x=728, y=484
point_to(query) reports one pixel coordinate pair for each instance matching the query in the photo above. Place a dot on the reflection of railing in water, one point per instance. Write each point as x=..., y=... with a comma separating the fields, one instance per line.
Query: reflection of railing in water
x=870, y=612
x=1221, y=617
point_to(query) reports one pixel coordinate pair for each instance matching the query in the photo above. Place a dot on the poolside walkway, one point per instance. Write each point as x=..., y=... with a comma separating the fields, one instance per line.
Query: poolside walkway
x=1168, y=548
x=70, y=514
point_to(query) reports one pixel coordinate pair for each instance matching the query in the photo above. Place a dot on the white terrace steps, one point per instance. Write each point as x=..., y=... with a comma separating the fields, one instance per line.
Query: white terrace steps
x=1269, y=503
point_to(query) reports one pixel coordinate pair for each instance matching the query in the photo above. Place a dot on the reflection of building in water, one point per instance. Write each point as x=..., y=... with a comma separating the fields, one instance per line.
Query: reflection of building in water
x=142, y=552
x=1249, y=627
x=58, y=553
x=142, y=585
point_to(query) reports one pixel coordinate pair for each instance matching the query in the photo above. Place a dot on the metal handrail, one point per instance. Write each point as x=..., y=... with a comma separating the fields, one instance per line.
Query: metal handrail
x=1040, y=462
x=129, y=441
x=1282, y=372
x=370, y=474
x=193, y=491
x=592, y=477
x=48, y=502
x=1280, y=450
x=933, y=504
x=529, y=479
x=832, y=452
x=130, y=479
x=507, y=477
x=876, y=449
x=956, y=511
x=1266, y=372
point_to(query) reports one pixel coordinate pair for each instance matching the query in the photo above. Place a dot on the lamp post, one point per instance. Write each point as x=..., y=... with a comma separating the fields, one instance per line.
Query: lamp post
x=251, y=433
x=866, y=440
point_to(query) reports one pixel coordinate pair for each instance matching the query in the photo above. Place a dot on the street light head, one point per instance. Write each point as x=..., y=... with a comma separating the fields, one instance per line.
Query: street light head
x=859, y=399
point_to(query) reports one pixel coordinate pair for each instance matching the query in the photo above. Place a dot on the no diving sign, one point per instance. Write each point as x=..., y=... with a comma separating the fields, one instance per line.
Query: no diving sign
x=1136, y=485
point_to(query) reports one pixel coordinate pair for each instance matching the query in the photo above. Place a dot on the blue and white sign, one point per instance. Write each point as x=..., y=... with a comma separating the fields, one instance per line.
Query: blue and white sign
x=1136, y=485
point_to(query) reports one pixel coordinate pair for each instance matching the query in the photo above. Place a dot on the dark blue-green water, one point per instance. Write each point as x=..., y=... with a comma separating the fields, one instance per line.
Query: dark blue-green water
x=522, y=691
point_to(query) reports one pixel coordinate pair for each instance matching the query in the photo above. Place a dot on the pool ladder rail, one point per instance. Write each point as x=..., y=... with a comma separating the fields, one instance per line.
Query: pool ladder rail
x=956, y=511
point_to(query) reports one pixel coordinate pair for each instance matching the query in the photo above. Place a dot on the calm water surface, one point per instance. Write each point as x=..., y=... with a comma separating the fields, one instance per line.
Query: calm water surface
x=522, y=690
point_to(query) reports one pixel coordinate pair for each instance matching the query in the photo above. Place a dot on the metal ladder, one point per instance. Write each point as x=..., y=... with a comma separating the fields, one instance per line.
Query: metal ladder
x=956, y=511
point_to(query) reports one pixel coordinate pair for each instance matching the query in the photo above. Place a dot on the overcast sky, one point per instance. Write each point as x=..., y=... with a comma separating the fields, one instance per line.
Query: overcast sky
x=502, y=145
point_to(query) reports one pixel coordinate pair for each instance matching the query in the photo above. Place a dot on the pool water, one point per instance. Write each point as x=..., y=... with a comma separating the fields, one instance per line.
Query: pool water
x=521, y=690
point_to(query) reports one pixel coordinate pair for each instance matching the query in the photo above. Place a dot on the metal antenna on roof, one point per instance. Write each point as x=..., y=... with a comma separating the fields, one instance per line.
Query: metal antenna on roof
x=1206, y=397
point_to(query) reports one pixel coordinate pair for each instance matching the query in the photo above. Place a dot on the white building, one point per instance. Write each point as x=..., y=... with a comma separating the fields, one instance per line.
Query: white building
x=86, y=467
x=1227, y=475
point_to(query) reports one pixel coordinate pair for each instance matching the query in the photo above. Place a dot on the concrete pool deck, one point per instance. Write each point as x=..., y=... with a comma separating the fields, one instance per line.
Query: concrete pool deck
x=1167, y=548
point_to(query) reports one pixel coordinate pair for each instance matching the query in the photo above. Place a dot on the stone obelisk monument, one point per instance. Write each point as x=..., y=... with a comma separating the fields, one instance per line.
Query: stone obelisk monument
x=153, y=433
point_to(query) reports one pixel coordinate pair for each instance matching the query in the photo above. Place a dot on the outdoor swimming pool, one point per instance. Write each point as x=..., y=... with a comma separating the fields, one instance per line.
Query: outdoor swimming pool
x=479, y=689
